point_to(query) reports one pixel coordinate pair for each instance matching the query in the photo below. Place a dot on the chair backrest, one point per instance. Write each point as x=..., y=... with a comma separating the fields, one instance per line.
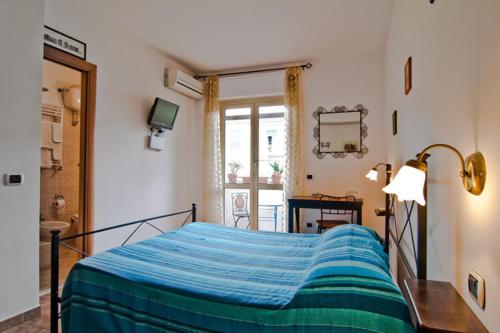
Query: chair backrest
x=239, y=202
x=328, y=211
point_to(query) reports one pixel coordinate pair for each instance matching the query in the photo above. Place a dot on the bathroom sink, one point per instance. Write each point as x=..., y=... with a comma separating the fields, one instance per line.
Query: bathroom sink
x=47, y=226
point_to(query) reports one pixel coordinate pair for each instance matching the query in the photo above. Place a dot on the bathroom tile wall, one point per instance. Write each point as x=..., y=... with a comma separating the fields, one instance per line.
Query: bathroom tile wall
x=66, y=181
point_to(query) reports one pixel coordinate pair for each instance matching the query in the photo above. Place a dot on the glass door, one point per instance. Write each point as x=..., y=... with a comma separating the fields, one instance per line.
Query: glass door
x=253, y=154
x=271, y=162
x=237, y=156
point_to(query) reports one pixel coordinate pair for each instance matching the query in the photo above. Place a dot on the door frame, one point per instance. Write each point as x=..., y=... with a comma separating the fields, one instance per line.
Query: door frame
x=87, y=127
x=254, y=103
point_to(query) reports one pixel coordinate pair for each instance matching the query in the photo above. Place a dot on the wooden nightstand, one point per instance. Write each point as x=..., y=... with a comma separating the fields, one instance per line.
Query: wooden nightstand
x=438, y=307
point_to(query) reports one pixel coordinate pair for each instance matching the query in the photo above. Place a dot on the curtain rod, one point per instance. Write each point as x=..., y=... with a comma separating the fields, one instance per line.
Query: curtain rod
x=304, y=67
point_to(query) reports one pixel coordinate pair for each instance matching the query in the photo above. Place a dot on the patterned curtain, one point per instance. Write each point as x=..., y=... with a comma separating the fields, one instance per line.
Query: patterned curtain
x=212, y=155
x=294, y=138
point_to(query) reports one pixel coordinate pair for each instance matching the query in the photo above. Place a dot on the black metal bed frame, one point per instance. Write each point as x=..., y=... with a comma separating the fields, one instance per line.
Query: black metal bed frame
x=55, y=300
x=418, y=245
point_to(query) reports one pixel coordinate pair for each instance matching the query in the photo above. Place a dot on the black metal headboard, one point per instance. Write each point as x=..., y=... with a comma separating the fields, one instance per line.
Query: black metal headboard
x=418, y=239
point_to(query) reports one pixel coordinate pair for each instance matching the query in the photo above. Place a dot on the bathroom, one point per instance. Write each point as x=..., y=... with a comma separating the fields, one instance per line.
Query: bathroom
x=60, y=186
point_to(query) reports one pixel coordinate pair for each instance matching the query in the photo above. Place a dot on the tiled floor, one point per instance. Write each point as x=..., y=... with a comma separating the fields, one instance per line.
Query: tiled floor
x=42, y=325
x=38, y=325
x=67, y=258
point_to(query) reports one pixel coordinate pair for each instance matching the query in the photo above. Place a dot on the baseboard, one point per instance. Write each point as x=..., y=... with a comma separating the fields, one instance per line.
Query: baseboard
x=20, y=318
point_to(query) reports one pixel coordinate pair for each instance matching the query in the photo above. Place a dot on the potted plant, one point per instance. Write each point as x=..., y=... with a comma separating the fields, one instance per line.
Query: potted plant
x=277, y=172
x=234, y=166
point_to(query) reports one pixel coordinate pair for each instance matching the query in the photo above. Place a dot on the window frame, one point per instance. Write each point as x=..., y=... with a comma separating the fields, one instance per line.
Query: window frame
x=254, y=186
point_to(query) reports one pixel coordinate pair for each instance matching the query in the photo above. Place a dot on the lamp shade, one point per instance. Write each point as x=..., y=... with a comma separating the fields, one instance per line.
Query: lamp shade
x=408, y=184
x=372, y=175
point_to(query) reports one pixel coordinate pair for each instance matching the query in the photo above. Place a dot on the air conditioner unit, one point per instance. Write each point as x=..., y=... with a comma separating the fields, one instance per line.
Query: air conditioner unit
x=183, y=83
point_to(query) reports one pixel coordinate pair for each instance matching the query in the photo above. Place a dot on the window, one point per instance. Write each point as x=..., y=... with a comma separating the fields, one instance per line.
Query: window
x=253, y=156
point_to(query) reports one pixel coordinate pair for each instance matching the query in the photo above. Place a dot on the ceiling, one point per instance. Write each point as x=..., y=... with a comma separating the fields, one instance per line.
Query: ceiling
x=226, y=34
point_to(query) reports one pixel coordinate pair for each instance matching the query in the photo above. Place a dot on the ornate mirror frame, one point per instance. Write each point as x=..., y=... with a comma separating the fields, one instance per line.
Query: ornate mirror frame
x=341, y=109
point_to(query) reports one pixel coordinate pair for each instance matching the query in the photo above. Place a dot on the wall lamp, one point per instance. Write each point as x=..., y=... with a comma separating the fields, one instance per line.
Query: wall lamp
x=410, y=180
x=387, y=212
x=373, y=173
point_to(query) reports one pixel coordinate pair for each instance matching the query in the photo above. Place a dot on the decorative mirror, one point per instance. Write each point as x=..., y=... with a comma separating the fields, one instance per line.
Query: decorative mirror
x=340, y=132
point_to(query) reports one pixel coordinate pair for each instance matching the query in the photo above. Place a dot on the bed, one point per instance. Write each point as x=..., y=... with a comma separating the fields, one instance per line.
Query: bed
x=210, y=278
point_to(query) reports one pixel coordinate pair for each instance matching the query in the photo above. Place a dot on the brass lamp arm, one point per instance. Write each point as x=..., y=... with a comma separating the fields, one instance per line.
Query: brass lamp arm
x=463, y=171
x=379, y=164
x=387, y=167
x=472, y=169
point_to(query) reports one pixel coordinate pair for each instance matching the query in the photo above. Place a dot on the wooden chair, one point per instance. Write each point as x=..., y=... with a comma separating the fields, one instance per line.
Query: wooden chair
x=325, y=223
x=239, y=202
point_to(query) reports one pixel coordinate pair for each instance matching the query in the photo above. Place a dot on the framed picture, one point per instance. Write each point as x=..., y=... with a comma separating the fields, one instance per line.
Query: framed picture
x=395, y=122
x=408, y=76
x=64, y=42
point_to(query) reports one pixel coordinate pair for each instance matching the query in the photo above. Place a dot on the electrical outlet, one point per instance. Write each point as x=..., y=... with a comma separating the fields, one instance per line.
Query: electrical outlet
x=309, y=177
x=476, y=287
x=309, y=225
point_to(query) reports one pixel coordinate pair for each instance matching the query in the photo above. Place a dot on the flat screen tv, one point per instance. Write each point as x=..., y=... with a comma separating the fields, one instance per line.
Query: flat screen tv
x=162, y=114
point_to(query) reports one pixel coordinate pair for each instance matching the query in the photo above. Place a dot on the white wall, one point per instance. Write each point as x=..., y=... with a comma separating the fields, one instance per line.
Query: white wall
x=349, y=81
x=357, y=80
x=131, y=181
x=258, y=85
x=455, y=99
x=20, y=92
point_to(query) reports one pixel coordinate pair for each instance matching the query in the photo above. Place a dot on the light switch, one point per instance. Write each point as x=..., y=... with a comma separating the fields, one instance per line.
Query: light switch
x=14, y=179
x=476, y=287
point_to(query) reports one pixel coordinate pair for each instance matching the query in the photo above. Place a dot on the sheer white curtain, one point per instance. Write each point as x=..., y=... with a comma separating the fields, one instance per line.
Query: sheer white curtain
x=212, y=155
x=294, y=138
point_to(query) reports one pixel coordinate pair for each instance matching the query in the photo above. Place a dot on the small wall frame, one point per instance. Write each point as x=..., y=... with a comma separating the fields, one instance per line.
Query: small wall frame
x=408, y=76
x=340, y=132
x=395, y=122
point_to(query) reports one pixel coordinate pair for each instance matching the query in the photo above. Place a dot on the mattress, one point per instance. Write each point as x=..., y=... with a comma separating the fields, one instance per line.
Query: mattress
x=211, y=278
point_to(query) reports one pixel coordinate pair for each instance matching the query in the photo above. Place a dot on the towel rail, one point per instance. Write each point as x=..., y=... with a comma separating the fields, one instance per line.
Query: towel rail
x=56, y=112
x=52, y=111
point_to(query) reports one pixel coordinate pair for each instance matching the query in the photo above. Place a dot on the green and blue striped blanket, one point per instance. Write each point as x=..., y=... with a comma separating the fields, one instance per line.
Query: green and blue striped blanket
x=211, y=278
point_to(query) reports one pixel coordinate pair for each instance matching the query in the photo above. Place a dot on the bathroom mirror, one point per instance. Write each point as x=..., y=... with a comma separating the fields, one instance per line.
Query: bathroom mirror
x=340, y=132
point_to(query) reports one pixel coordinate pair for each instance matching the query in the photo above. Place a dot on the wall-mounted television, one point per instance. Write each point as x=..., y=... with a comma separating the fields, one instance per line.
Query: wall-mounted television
x=162, y=114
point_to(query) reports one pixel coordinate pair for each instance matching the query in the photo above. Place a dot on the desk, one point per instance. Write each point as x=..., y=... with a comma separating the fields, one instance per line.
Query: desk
x=314, y=202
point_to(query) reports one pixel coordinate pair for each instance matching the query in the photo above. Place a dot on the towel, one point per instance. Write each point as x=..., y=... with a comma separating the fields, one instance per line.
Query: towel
x=57, y=151
x=46, y=158
x=46, y=134
x=57, y=132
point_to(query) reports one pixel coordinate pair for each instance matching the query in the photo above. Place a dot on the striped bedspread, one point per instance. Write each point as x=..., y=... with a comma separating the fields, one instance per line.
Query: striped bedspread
x=210, y=278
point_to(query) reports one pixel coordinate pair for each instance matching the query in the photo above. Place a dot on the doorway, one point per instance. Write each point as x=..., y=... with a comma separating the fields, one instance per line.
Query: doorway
x=66, y=164
x=253, y=145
